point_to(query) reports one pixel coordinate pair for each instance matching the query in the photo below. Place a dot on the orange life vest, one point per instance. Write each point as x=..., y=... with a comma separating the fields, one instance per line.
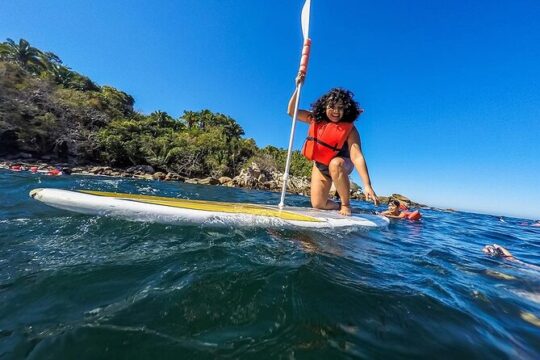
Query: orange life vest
x=415, y=215
x=325, y=140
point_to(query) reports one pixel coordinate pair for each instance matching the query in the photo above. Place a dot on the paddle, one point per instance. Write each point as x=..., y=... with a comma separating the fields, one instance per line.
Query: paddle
x=303, y=69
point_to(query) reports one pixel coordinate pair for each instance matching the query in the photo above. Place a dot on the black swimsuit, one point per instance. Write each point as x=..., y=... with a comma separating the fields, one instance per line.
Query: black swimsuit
x=343, y=153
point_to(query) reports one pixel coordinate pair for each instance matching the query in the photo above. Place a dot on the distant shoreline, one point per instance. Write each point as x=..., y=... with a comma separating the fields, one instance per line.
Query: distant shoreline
x=247, y=179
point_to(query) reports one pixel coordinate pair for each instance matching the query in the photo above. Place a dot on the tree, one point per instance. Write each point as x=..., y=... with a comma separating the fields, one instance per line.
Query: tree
x=52, y=58
x=62, y=75
x=161, y=118
x=30, y=58
x=232, y=129
x=189, y=117
x=272, y=156
x=63, y=113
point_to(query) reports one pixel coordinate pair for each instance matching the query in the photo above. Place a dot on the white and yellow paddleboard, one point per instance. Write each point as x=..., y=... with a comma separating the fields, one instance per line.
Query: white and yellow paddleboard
x=199, y=212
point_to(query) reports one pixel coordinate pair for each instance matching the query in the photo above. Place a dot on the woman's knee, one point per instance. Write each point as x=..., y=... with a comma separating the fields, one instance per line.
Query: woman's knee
x=336, y=165
x=318, y=203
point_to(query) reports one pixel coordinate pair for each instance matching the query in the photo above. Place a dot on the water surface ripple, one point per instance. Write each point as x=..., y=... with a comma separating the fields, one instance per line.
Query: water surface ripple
x=75, y=286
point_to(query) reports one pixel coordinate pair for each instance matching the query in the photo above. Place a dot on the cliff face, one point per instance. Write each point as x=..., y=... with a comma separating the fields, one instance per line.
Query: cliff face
x=40, y=117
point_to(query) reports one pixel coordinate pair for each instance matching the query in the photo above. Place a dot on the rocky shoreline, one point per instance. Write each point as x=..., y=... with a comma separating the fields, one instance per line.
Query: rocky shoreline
x=251, y=177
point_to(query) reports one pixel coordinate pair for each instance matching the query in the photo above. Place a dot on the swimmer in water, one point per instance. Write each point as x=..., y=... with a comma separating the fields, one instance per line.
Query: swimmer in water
x=497, y=250
x=393, y=210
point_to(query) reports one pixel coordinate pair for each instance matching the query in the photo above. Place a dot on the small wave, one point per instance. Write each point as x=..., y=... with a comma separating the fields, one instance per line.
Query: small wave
x=411, y=290
x=22, y=221
x=534, y=297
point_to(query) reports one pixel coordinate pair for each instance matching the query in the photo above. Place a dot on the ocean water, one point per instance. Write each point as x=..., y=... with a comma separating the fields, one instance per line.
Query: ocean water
x=76, y=286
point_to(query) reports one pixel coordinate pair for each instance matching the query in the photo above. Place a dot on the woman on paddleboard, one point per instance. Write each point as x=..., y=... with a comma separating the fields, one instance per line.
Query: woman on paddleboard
x=333, y=144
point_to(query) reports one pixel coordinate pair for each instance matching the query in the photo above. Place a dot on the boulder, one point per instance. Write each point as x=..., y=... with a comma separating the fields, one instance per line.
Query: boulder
x=254, y=177
x=107, y=171
x=270, y=185
x=173, y=176
x=141, y=168
x=298, y=184
x=255, y=170
x=159, y=176
x=100, y=170
x=383, y=199
x=244, y=179
x=355, y=191
x=208, y=181
x=355, y=187
x=358, y=195
x=146, y=177
x=224, y=180
x=400, y=197
x=95, y=170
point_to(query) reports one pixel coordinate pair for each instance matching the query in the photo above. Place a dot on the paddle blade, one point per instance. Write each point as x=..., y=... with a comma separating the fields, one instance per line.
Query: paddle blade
x=305, y=18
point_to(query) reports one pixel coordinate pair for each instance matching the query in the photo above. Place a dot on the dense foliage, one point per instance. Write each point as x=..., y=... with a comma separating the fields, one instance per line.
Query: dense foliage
x=198, y=144
x=272, y=158
x=49, y=111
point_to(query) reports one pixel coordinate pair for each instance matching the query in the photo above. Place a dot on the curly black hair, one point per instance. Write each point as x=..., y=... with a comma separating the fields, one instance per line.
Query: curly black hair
x=351, y=108
x=394, y=201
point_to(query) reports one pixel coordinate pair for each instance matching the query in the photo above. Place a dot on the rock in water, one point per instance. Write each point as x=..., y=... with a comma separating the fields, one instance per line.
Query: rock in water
x=141, y=168
x=208, y=181
x=159, y=176
x=224, y=180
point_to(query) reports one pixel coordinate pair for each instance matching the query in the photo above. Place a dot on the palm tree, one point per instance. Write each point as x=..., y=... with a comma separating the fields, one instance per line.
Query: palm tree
x=161, y=117
x=52, y=58
x=190, y=117
x=232, y=129
x=206, y=118
x=27, y=56
x=62, y=75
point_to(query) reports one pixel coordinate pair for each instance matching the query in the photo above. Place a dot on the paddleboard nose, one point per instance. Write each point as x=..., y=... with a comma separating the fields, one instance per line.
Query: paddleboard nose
x=34, y=192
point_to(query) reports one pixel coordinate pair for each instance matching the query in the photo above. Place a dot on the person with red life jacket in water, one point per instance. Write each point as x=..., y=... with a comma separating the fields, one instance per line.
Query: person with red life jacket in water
x=333, y=144
x=397, y=210
x=394, y=210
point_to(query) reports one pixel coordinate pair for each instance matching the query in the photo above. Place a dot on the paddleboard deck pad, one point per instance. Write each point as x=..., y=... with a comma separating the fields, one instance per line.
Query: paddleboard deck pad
x=168, y=210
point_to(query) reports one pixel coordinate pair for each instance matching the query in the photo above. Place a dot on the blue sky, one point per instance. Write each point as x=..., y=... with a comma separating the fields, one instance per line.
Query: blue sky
x=451, y=90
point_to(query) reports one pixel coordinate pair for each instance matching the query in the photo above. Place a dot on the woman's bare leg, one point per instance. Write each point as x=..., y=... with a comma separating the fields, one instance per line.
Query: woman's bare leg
x=320, y=188
x=340, y=169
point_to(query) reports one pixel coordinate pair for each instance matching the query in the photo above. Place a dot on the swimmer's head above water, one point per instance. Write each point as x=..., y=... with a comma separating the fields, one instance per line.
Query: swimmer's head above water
x=497, y=250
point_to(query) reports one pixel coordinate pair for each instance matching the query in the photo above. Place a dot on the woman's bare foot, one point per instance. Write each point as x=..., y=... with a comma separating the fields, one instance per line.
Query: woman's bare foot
x=345, y=210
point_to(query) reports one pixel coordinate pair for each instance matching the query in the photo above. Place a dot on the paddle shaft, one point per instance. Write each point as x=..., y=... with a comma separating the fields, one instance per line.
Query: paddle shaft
x=306, y=49
x=289, y=151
